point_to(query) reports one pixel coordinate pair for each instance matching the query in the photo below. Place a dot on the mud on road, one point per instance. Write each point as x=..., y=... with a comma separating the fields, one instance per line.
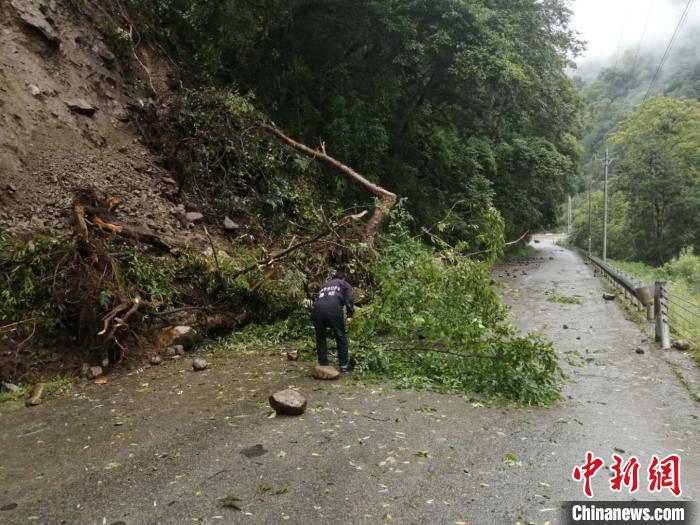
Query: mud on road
x=162, y=446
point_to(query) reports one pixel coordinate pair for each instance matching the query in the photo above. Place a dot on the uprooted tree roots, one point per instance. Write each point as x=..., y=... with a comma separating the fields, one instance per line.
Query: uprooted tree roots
x=98, y=275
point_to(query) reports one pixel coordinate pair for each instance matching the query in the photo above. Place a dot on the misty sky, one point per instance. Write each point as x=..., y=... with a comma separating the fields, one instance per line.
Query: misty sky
x=604, y=23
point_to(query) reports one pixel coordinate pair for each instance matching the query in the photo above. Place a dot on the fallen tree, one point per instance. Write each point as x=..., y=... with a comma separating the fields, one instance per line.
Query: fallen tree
x=386, y=198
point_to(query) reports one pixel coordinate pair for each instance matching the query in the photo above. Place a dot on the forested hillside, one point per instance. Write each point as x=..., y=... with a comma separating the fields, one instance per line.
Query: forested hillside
x=452, y=122
x=644, y=107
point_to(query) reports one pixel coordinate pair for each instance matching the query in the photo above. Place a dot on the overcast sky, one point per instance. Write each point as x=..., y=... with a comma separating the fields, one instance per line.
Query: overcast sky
x=604, y=23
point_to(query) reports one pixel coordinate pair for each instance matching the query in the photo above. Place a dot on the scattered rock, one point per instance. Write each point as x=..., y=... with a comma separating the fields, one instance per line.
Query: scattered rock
x=81, y=107
x=681, y=344
x=8, y=387
x=11, y=188
x=175, y=336
x=609, y=296
x=536, y=241
x=551, y=258
x=156, y=360
x=565, y=327
x=94, y=372
x=34, y=90
x=292, y=355
x=230, y=225
x=288, y=402
x=199, y=364
x=31, y=14
x=254, y=452
x=9, y=506
x=179, y=349
x=35, y=395
x=639, y=350
x=194, y=217
x=324, y=372
x=170, y=352
x=121, y=114
x=84, y=370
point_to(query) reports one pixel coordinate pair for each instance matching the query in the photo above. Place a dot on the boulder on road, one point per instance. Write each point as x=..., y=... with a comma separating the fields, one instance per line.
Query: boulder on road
x=288, y=402
x=326, y=372
x=609, y=296
x=199, y=364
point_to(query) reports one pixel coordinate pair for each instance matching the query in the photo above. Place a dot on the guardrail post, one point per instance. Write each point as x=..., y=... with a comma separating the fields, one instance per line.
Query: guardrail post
x=663, y=330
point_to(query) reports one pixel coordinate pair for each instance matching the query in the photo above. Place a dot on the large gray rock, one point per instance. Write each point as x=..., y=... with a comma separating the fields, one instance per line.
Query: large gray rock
x=230, y=225
x=325, y=372
x=194, y=217
x=81, y=107
x=288, y=402
x=30, y=12
x=8, y=387
x=94, y=372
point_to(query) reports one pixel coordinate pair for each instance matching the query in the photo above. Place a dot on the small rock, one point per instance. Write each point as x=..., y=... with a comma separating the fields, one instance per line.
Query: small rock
x=324, y=372
x=230, y=225
x=169, y=180
x=194, y=217
x=170, y=352
x=35, y=395
x=551, y=258
x=288, y=402
x=292, y=355
x=155, y=360
x=121, y=114
x=179, y=349
x=94, y=372
x=254, y=452
x=81, y=107
x=84, y=370
x=34, y=90
x=565, y=327
x=11, y=187
x=681, y=344
x=609, y=296
x=639, y=350
x=105, y=362
x=199, y=364
x=9, y=387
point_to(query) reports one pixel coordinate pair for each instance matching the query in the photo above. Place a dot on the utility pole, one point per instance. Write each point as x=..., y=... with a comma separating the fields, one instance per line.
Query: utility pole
x=606, y=164
x=590, y=184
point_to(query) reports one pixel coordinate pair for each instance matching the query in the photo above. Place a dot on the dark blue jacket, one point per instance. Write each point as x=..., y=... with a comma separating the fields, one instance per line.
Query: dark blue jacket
x=333, y=295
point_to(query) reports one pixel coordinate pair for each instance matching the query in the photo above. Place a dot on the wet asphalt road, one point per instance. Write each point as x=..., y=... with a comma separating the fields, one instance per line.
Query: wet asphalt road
x=162, y=446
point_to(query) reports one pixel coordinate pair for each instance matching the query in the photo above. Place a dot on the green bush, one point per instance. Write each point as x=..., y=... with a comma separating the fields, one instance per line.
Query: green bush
x=436, y=322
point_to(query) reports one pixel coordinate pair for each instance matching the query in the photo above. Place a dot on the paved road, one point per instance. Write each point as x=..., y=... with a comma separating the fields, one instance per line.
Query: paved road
x=162, y=446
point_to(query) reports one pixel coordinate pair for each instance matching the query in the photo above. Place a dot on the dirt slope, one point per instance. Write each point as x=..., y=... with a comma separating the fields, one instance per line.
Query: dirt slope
x=52, y=56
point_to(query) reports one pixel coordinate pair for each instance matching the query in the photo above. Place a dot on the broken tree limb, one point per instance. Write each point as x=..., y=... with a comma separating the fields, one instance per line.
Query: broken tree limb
x=386, y=198
x=279, y=255
x=510, y=243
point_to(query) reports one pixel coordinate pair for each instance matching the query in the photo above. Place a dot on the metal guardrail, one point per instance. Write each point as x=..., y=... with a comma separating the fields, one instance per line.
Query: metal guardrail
x=652, y=298
x=669, y=312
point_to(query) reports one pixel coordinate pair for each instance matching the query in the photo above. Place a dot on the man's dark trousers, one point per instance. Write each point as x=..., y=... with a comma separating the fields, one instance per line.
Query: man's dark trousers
x=334, y=320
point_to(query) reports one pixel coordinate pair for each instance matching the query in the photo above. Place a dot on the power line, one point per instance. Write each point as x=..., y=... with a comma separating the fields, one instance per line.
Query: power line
x=672, y=41
x=641, y=38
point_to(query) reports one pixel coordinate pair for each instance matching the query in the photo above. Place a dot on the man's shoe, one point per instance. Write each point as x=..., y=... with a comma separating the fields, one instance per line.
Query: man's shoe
x=345, y=369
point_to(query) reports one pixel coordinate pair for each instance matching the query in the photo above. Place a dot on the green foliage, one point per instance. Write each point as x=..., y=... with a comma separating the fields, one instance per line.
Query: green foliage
x=554, y=297
x=660, y=177
x=436, y=322
x=211, y=137
x=34, y=276
x=441, y=102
